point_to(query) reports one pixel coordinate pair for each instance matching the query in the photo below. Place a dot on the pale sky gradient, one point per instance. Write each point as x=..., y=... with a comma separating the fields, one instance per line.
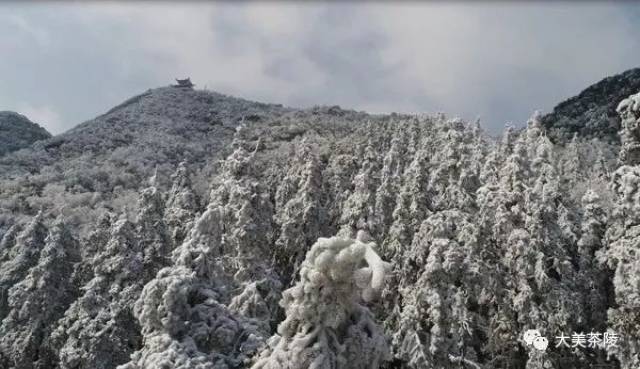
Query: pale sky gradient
x=64, y=63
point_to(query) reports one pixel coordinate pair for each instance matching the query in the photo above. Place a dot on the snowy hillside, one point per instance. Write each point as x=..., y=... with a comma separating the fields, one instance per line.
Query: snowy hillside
x=191, y=230
x=105, y=161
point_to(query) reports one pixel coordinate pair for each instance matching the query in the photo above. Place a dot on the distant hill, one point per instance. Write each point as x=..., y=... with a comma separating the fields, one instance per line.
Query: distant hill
x=592, y=113
x=17, y=132
x=114, y=153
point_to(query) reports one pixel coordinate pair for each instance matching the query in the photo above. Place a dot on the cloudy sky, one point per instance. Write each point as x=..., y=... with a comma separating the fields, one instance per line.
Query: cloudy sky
x=64, y=63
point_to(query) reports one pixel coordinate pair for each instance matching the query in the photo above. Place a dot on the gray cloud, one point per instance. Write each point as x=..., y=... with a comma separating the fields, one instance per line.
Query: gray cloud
x=63, y=63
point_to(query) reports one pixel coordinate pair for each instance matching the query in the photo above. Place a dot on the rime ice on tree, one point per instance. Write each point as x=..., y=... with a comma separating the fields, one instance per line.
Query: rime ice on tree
x=623, y=237
x=326, y=325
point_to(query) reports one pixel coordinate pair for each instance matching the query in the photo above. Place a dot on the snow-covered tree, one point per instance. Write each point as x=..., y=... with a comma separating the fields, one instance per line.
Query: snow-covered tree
x=358, y=211
x=182, y=312
x=337, y=185
x=629, y=111
x=623, y=240
x=99, y=330
x=622, y=237
x=454, y=180
x=98, y=238
x=151, y=232
x=20, y=258
x=181, y=206
x=507, y=142
x=95, y=243
x=326, y=325
x=593, y=277
x=509, y=212
x=247, y=213
x=504, y=245
x=412, y=205
x=247, y=222
x=490, y=169
x=39, y=300
x=415, y=134
x=572, y=162
x=443, y=276
x=8, y=241
x=534, y=133
x=302, y=216
x=551, y=245
x=213, y=306
x=390, y=182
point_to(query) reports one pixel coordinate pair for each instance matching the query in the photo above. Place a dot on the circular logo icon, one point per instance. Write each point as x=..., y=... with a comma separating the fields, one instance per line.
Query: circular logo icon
x=540, y=343
x=530, y=335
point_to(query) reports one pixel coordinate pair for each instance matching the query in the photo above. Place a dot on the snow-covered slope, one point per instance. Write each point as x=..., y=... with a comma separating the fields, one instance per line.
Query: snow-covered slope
x=104, y=161
x=161, y=125
x=188, y=229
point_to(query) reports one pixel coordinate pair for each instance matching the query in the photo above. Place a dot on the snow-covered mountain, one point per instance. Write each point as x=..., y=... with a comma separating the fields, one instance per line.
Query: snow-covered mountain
x=105, y=161
x=188, y=229
x=17, y=132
